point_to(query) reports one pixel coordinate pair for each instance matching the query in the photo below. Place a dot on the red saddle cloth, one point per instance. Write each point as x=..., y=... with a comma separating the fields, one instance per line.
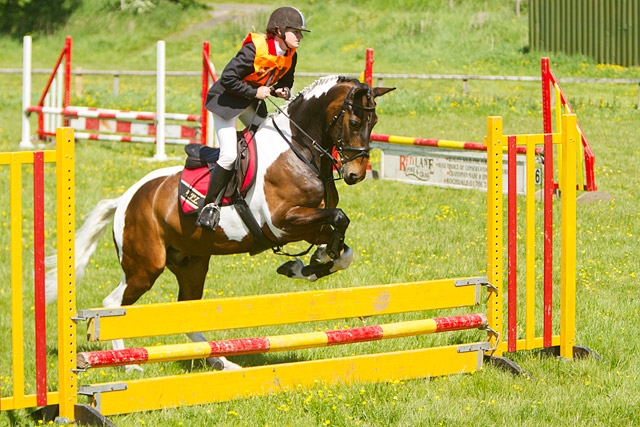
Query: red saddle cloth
x=194, y=182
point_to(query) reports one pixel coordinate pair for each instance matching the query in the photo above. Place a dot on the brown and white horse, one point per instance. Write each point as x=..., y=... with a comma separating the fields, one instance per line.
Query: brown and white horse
x=294, y=198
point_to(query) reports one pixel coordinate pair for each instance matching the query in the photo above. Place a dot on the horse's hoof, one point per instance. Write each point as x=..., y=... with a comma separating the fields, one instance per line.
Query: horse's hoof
x=230, y=366
x=131, y=368
x=320, y=270
x=291, y=268
x=222, y=364
x=345, y=259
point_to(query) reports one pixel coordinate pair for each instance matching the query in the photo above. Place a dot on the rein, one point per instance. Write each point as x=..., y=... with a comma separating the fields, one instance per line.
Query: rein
x=298, y=153
x=314, y=144
x=360, y=151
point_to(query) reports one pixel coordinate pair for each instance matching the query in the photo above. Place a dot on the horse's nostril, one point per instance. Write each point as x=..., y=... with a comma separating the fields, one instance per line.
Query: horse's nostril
x=352, y=178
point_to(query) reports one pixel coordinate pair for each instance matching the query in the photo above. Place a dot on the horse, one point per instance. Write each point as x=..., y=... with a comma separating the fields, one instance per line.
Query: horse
x=293, y=198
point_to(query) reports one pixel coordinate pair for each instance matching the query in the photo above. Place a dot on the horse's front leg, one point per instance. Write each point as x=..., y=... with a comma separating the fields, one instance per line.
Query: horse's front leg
x=321, y=265
x=332, y=254
x=335, y=244
x=301, y=218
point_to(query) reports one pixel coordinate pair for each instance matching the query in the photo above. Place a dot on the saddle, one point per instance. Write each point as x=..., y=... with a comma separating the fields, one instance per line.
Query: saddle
x=194, y=181
x=195, y=176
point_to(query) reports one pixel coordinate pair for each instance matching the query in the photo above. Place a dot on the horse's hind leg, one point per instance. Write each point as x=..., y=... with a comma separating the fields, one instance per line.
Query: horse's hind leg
x=136, y=281
x=191, y=273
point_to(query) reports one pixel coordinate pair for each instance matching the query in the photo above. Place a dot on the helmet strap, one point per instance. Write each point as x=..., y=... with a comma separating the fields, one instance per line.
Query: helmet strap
x=283, y=36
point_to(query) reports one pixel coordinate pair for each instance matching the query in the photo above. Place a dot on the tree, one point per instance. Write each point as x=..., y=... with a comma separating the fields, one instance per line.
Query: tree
x=20, y=17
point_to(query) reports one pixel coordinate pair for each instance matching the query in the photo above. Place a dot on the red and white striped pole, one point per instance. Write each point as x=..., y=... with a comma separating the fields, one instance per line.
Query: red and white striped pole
x=165, y=353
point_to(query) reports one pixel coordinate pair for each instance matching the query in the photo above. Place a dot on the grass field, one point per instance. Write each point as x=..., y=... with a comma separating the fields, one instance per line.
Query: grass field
x=398, y=232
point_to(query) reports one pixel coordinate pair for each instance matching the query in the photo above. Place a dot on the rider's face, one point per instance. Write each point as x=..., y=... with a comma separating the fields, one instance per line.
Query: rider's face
x=292, y=37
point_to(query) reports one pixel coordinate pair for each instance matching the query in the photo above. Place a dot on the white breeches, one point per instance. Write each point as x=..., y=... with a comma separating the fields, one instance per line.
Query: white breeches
x=226, y=135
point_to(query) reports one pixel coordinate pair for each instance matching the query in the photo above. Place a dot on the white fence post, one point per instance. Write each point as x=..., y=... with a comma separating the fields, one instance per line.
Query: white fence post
x=26, y=93
x=160, y=104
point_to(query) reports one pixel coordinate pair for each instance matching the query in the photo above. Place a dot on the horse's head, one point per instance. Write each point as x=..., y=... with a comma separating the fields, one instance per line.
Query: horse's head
x=351, y=117
x=340, y=113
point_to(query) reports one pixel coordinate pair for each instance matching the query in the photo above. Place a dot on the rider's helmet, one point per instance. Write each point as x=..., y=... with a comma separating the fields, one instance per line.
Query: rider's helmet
x=286, y=17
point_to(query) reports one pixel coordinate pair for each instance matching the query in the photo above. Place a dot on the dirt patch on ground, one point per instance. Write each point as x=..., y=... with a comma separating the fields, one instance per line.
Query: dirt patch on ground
x=221, y=13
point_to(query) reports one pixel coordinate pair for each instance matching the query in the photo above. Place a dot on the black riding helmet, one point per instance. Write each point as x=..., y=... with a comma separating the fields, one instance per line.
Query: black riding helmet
x=286, y=17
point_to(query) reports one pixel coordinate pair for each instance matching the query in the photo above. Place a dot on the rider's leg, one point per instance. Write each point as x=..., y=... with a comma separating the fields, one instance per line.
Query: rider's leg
x=250, y=118
x=221, y=173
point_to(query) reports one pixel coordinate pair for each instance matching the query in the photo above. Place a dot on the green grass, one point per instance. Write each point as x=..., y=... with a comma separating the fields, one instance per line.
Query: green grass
x=399, y=232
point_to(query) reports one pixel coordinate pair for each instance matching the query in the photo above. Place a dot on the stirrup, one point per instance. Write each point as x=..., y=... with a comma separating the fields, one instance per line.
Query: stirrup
x=209, y=216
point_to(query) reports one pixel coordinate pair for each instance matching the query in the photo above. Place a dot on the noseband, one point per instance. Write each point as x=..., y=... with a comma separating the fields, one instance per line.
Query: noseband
x=338, y=118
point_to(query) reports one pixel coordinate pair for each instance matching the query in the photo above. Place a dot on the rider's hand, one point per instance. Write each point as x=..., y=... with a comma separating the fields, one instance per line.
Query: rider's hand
x=283, y=93
x=263, y=92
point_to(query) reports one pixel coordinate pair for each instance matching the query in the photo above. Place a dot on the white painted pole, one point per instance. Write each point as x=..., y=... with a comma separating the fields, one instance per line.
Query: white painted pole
x=48, y=103
x=53, y=99
x=60, y=95
x=160, y=106
x=26, y=93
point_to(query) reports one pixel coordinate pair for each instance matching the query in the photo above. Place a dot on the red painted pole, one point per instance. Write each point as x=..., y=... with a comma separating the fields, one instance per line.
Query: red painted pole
x=548, y=190
x=66, y=55
x=67, y=77
x=368, y=70
x=368, y=79
x=39, y=270
x=204, y=118
x=549, y=187
x=546, y=96
x=589, y=165
x=548, y=79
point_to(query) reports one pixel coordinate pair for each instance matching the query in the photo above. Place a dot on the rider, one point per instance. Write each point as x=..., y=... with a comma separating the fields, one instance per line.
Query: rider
x=264, y=66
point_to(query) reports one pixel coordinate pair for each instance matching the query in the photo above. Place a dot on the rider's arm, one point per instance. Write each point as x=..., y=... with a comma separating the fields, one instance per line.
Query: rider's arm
x=238, y=68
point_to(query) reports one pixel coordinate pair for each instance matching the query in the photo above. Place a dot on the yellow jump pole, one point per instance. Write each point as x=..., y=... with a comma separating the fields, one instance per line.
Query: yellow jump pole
x=65, y=203
x=570, y=139
x=17, y=316
x=494, y=229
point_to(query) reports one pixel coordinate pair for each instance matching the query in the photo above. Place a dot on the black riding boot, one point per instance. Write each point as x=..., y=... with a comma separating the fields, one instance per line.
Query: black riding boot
x=210, y=213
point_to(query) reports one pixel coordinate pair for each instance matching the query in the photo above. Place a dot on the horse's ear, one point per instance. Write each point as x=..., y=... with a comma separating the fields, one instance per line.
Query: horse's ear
x=379, y=91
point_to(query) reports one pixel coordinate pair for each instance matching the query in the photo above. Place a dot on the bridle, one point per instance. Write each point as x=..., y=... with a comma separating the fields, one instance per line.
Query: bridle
x=338, y=118
x=340, y=147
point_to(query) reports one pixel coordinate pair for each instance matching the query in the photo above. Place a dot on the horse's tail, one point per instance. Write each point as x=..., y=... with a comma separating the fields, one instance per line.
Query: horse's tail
x=87, y=238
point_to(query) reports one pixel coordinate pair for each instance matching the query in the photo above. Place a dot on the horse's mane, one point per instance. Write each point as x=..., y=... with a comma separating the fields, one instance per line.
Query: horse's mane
x=319, y=82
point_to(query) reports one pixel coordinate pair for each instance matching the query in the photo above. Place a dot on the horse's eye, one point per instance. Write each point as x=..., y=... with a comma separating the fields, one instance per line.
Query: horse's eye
x=355, y=123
